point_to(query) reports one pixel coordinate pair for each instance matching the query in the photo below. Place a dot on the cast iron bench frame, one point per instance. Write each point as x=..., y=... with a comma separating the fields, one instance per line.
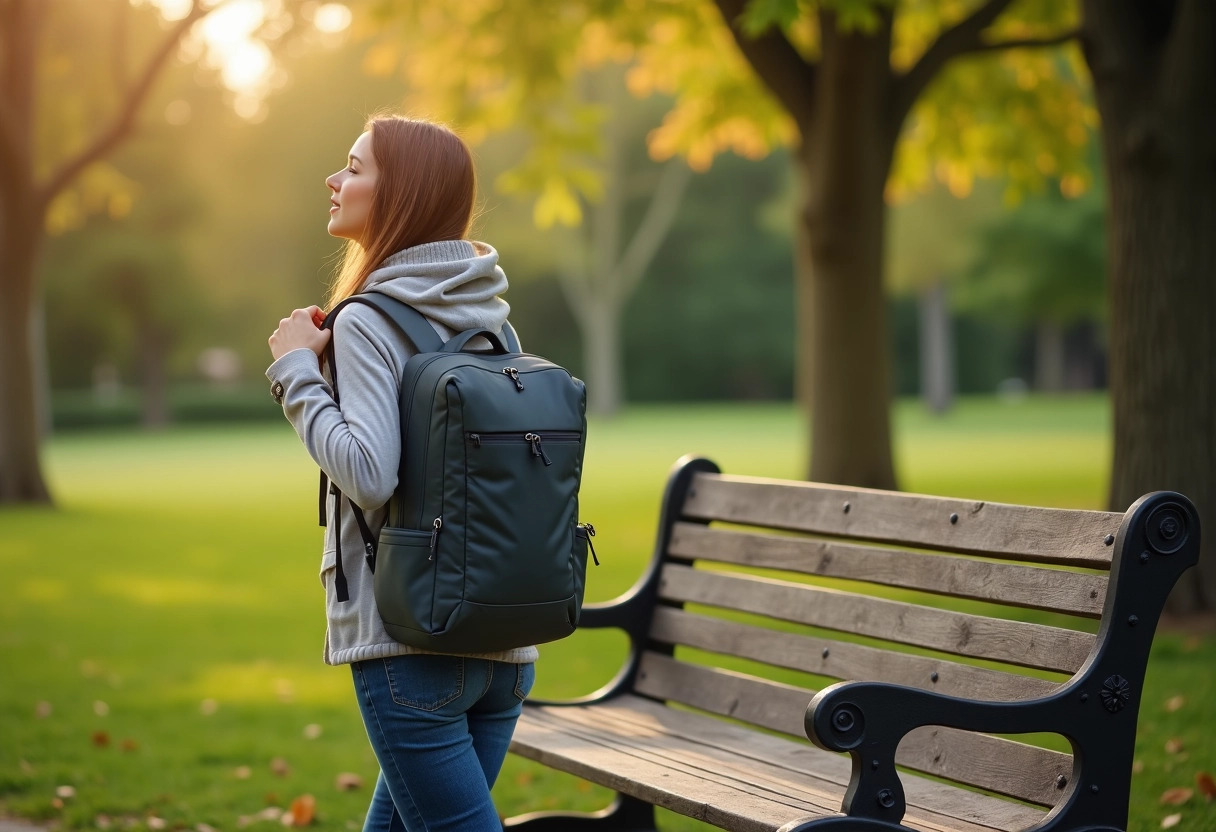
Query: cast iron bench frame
x=627, y=736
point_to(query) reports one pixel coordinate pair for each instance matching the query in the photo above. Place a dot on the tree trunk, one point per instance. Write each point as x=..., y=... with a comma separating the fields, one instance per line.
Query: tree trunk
x=154, y=344
x=936, y=350
x=601, y=336
x=844, y=355
x=1155, y=83
x=1049, y=357
x=21, y=478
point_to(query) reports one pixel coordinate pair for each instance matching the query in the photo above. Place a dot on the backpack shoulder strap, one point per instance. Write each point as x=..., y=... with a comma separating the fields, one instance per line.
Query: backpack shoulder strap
x=406, y=318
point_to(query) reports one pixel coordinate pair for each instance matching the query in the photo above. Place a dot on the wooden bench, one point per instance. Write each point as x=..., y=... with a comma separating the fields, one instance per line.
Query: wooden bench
x=949, y=622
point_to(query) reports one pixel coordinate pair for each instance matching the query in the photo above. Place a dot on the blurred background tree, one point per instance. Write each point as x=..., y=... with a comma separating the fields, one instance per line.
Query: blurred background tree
x=1154, y=76
x=68, y=100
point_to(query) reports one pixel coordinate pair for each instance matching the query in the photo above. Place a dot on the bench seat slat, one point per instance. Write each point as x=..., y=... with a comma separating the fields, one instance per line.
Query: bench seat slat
x=843, y=660
x=1015, y=642
x=1063, y=536
x=994, y=763
x=728, y=775
x=1004, y=583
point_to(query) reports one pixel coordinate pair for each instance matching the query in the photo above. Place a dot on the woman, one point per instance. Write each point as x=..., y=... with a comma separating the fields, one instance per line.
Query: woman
x=439, y=724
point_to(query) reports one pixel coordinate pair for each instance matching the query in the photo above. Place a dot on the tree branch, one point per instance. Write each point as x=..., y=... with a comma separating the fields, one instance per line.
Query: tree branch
x=964, y=36
x=122, y=19
x=124, y=120
x=660, y=214
x=1026, y=43
x=777, y=62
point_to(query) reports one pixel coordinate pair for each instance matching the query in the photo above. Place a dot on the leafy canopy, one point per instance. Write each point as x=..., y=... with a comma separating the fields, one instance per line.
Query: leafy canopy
x=488, y=67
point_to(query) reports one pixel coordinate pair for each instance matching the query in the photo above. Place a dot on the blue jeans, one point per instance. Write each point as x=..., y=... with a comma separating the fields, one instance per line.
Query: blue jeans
x=440, y=727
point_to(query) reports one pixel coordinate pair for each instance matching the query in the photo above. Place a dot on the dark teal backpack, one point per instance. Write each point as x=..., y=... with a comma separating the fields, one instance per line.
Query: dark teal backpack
x=482, y=550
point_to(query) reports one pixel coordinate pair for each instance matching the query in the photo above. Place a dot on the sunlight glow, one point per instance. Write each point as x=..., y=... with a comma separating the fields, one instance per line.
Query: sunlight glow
x=331, y=18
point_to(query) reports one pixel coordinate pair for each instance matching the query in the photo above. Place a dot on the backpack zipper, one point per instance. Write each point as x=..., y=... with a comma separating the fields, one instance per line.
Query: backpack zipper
x=435, y=527
x=534, y=440
x=589, y=532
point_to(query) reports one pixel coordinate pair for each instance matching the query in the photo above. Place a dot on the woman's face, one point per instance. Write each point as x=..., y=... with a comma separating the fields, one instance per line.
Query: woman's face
x=352, y=188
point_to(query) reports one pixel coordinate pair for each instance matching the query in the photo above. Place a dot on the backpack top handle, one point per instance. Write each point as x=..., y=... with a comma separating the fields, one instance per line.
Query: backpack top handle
x=458, y=342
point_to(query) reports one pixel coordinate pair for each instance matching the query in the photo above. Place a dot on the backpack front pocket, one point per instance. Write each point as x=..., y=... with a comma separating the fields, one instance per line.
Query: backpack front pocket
x=405, y=579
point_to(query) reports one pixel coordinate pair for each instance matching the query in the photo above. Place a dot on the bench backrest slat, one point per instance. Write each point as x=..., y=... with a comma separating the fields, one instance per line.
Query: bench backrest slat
x=841, y=659
x=1032, y=587
x=1020, y=643
x=1000, y=765
x=1020, y=532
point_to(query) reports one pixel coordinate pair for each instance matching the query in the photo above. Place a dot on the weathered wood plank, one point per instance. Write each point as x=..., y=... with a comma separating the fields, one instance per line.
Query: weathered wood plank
x=1044, y=535
x=1015, y=642
x=800, y=757
x=1003, y=583
x=840, y=659
x=765, y=763
x=999, y=765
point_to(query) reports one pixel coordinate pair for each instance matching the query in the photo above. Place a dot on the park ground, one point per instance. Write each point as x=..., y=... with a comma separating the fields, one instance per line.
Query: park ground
x=161, y=634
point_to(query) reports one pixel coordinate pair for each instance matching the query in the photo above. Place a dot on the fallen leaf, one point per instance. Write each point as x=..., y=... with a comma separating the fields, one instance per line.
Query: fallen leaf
x=1137, y=766
x=57, y=802
x=303, y=808
x=242, y=772
x=1173, y=745
x=1206, y=784
x=269, y=813
x=103, y=822
x=100, y=708
x=1175, y=703
x=348, y=782
x=279, y=767
x=204, y=827
x=271, y=799
x=524, y=778
x=43, y=709
x=101, y=739
x=1170, y=821
x=1177, y=796
x=66, y=792
x=208, y=707
x=129, y=745
x=156, y=823
x=312, y=731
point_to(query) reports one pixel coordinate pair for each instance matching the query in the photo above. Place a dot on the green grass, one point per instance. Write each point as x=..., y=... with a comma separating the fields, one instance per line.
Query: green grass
x=176, y=584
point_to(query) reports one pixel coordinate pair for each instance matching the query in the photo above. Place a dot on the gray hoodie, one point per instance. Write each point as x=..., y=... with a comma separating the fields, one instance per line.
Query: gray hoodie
x=456, y=284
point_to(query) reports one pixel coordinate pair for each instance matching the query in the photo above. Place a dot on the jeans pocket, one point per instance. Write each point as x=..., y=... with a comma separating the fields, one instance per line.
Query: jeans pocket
x=424, y=682
x=525, y=678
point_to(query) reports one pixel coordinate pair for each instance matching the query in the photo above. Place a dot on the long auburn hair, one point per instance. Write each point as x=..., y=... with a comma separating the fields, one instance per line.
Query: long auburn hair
x=424, y=193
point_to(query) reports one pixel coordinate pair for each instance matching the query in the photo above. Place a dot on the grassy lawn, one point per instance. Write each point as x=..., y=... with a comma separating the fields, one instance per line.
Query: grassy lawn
x=160, y=639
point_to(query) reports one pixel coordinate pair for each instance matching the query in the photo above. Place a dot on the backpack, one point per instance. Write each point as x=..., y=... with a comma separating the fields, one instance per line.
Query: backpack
x=482, y=550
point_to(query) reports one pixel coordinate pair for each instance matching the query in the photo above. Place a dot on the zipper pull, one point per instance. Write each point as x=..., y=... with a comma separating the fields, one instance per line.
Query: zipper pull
x=590, y=530
x=514, y=374
x=537, y=448
x=475, y=438
x=435, y=527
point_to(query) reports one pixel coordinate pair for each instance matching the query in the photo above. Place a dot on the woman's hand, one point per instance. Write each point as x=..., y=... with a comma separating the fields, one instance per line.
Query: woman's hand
x=300, y=330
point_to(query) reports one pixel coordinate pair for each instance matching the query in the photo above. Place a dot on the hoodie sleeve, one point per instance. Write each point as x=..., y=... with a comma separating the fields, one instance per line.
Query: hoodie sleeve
x=358, y=444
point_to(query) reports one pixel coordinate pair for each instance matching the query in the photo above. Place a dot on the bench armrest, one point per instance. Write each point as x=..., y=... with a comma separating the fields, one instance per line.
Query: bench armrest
x=1096, y=710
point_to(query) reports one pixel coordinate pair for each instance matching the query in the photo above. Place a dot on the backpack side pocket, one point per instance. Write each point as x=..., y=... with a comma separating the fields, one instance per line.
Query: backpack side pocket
x=405, y=582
